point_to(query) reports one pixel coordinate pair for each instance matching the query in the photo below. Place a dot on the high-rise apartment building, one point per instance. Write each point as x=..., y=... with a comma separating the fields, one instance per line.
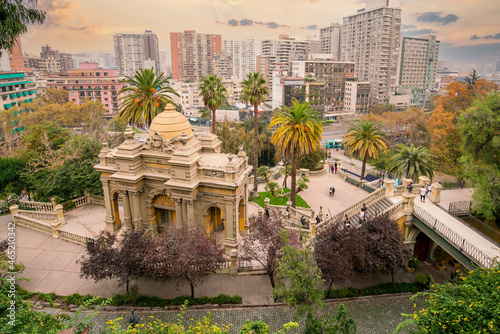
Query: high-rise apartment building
x=371, y=38
x=330, y=39
x=333, y=75
x=66, y=59
x=223, y=66
x=419, y=57
x=135, y=51
x=193, y=54
x=243, y=55
x=16, y=57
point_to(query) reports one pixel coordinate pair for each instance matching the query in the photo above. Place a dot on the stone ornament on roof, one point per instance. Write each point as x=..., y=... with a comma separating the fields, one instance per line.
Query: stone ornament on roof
x=157, y=143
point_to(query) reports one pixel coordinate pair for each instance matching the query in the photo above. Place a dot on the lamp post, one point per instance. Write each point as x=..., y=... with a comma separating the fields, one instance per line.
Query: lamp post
x=410, y=158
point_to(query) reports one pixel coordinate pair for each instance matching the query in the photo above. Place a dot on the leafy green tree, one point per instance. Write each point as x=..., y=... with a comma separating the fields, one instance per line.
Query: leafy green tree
x=480, y=134
x=254, y=91
x=365, y=140
x=380, y=108
x=468, y=305
x=298, y=278
x=298, y=133
x=10, y=174
x=421, y=162
x=265, y=172
x=117, y=125
x=310, y=161
x=15, y=16
x=212, y=90
x=471, y=80
x=146, y=95
x=272, y=187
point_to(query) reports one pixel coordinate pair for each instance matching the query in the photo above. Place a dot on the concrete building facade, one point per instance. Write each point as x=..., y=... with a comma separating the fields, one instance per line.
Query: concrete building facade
x=90, y=83
x=242, y=54
x=193, y=54
x=357, y=96
x=418, y=65
x=223, y=66
x=371, y=38
x=330, y=40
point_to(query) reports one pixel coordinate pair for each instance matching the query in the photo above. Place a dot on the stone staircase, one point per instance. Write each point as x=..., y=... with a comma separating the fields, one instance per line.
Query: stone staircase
x=373, y=210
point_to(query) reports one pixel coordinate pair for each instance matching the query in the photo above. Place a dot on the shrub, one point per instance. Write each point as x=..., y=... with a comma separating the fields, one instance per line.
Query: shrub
x=182, y=299
x=413, y=263
x=400, y=287
x=421, y=278
x=68, y=205
x=343, y=293
x=47, y=297
x=150, y=301
x=254, y=327
x=203, y=301
x=117, y=300
x=77, y=299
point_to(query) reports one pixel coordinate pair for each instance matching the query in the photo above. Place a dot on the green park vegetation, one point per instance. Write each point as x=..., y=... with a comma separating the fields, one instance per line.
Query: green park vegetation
x=279, y=200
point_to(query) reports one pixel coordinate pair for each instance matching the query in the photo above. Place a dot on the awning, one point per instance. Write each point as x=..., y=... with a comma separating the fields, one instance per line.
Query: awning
x=7, y=105
x=26, y=93
x=13, y=95
x=19, y=94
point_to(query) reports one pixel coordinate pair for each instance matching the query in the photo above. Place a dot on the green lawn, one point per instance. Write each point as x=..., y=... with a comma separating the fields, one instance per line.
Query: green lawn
x=137, y=131
x=279, y=200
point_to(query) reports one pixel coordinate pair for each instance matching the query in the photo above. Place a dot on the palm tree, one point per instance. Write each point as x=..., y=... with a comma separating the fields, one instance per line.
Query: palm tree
x=148, y=94
x=254, y=91
x=365, y=140
x=212, y=89
x=420, y=163
x=298, y=133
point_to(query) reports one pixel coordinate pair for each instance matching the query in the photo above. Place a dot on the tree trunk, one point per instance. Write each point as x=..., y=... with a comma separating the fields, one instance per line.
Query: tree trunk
x=363, y=167
x=192, y=290
x=127, y=286
x=293, y=187
x=392, y=274
x=329, y=288
x=213, y=121
x=271, y=277
x=255, y=148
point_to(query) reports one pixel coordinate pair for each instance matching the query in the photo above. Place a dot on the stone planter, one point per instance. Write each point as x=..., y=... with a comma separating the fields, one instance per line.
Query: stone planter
x=439, y=266
x=454, y=263
x=409, y=269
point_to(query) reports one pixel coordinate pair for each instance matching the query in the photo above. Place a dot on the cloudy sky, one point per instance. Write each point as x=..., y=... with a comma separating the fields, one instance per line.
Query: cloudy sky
x=469, y=31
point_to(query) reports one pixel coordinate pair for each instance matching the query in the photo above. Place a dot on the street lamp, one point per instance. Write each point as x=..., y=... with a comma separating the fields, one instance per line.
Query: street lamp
x=410, y=158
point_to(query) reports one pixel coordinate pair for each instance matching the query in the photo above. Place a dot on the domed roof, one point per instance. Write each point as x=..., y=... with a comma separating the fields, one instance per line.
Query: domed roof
x=170, y=123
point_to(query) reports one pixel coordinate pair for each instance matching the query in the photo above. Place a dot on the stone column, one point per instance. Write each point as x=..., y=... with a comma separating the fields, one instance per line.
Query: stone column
x=136, y=209
x=127, y=214
x=435, y=195
x=190, y=212
x=409, y=200
x=178, y=211
x=109, y=219
x=406, y=181
x=230, y=241
x=14, y=209
x=233, y=270
x=423, y=181
x=60, y=217
x=389, y=187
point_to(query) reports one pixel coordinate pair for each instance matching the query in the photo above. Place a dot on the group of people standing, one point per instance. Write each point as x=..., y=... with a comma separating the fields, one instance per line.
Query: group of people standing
x=333, y=168
x=362, y=217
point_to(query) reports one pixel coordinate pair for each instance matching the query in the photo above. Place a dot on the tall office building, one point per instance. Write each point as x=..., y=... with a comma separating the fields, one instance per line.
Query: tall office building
x=330, y=39
x=419, y=57
x=243, y=55
x=135, y=51
x=193, y=54
x=371, y=38
x=65, y=59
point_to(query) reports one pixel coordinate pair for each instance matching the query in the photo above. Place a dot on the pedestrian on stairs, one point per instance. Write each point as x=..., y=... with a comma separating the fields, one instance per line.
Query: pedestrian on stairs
x=347, y=222
x=362, y=217
x=423, y=192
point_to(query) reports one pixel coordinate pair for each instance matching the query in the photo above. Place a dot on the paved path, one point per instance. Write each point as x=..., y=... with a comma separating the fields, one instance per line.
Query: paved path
x=373, y=315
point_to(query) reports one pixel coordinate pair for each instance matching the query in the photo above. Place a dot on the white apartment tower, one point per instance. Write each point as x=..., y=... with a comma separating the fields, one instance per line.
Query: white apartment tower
x=330, y=39
x=419, y=61
x=371, y=38
x=243, y=55
x=133, y=51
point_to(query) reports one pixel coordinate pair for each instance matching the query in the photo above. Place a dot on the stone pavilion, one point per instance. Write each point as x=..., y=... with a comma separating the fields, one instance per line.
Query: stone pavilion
x=175, y=177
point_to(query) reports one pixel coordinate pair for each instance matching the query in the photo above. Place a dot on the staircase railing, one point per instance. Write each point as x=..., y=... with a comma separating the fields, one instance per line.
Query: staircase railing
x=453, y=238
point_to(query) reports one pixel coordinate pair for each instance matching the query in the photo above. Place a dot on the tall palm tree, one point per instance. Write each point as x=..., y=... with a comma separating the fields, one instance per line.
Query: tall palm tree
x=365, y=140
x=146, y=96
x=420, y=163
x=212, y=89
x=254, y=92
x=298, y=133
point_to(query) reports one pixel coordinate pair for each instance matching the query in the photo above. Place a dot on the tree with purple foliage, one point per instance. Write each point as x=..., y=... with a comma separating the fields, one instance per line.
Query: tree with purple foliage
x=107, y=257
x=185, y=252
x=338, y=252
x=384, y=247
x=263, y=243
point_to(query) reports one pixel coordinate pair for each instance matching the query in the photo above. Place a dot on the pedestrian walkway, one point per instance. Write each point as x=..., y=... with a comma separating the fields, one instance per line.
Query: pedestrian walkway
x=373, y=315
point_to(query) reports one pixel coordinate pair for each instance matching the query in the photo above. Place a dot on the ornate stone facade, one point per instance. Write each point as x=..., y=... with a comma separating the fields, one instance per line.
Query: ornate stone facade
x=175, y=178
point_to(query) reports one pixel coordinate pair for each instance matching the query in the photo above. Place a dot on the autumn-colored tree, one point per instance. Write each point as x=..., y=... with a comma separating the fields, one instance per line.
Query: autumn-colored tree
x=384, y=248
x=184, y=252
x=263, y=243
x=107, y=257
x=338, y=252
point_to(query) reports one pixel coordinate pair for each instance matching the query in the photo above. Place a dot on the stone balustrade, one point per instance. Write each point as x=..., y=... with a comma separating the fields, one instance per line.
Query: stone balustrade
x=39, y=215
x=37, y=206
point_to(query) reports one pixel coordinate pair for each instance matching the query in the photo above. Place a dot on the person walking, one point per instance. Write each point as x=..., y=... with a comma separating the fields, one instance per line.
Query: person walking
x=333, y=191
x=318, y=220
x=347, y=222
x=361, y=217
x=364, y=209
x=423, y=192
x=267, y=212
x=335, y=167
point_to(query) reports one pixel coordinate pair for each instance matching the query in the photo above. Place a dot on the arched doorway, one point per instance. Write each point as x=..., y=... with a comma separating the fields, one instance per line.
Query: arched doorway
x=241, y=216
x=115, y=208
x=422, y=244
x=164, y=208
x=215, y=223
